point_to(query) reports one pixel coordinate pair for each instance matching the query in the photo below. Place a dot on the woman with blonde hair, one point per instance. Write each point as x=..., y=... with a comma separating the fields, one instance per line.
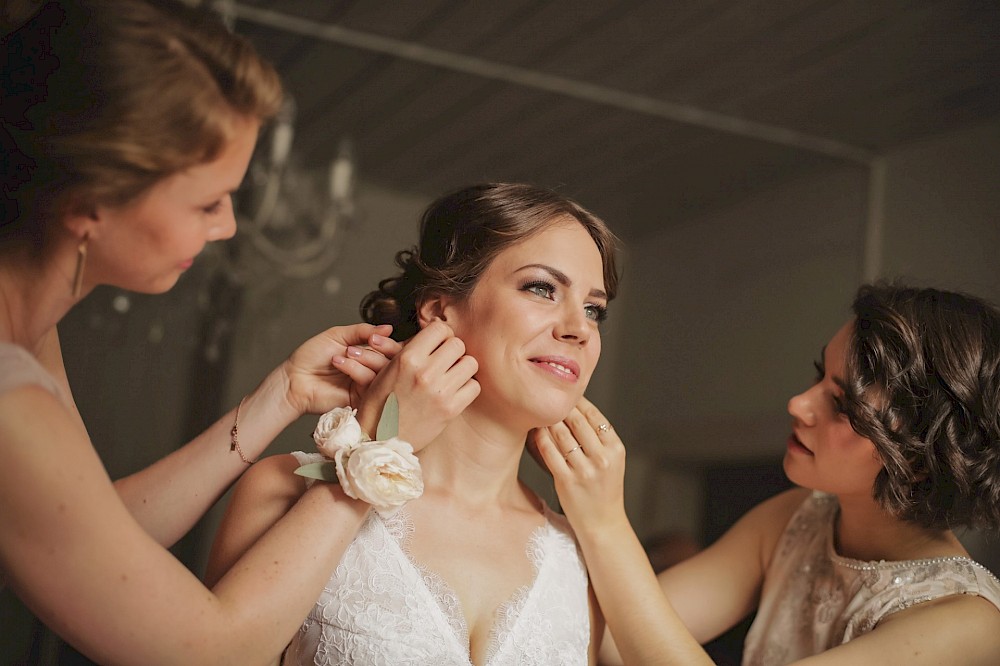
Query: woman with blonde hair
x=126, y=125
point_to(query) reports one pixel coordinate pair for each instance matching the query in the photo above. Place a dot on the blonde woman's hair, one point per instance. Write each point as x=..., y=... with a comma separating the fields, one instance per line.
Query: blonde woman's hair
x=103, y=98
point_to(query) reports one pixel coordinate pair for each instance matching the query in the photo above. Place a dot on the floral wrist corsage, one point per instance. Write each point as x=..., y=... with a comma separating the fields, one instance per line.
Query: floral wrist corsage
x=383, y=472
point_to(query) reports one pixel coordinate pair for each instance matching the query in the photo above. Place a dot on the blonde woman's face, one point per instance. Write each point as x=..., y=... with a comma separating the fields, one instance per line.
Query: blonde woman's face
x=146, y=245
x=532, y=324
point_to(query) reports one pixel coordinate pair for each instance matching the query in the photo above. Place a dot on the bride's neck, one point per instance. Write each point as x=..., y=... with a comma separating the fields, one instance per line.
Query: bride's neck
x=474, y=458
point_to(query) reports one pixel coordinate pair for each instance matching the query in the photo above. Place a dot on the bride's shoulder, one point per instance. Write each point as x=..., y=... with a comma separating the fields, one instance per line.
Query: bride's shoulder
x=265, y=493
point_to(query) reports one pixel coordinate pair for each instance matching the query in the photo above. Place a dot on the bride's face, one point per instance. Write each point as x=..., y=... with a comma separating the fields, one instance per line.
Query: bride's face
x=532, y=324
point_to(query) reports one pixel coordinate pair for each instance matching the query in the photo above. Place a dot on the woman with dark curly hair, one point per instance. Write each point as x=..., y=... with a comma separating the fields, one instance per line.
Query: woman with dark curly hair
x=895, y=445
x=477, y=569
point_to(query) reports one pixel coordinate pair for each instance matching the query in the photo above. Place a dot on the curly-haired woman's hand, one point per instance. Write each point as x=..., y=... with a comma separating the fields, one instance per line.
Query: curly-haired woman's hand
x=587, y=461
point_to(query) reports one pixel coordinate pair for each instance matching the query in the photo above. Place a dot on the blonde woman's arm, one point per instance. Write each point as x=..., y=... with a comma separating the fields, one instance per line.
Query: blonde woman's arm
x=170, y=496
x=81, y=562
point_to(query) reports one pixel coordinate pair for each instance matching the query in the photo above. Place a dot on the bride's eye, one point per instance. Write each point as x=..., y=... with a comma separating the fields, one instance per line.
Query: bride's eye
x=540, y=288
x=596, y=312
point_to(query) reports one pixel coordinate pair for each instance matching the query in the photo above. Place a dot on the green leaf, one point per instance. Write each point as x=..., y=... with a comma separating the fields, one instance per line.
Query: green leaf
x=388, y=423
x=324, y=471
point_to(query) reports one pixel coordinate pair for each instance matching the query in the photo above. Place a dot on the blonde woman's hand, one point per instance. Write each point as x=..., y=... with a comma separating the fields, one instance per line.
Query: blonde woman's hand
x=587, y=461
x=433, y=380
x=335, y=367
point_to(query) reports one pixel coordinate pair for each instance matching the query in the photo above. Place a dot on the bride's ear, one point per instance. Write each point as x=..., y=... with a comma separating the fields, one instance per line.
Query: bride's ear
x=436, y=306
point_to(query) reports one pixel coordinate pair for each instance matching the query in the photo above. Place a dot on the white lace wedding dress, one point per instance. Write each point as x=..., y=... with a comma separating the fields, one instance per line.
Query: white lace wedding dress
x=380, y=608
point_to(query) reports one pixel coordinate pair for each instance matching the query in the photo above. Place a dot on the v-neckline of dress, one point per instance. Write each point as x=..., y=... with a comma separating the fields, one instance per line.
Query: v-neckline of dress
x=446, y=600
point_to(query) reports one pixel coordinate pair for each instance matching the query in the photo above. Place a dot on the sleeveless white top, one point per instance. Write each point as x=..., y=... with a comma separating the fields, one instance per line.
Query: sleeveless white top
x=19, y=368
x=380, y=608
x=814, y=599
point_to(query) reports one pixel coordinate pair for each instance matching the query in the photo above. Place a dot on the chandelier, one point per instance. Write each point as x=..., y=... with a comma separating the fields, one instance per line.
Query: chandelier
x=291, y=219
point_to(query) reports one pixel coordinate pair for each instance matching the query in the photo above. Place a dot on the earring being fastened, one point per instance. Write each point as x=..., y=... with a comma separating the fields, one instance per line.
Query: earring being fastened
x=81, y=262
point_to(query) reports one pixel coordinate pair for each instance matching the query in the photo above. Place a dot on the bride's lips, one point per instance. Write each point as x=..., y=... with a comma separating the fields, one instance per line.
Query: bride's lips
x=795, y=445
x=564, y=368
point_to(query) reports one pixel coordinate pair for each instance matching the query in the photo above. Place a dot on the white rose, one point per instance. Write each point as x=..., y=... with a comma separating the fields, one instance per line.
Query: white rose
x=336, y=429
x=384, y=474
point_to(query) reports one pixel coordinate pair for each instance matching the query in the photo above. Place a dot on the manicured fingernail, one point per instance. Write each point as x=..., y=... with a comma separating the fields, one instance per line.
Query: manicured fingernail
x=377, y=339
x=338, y=360
x=354, y=351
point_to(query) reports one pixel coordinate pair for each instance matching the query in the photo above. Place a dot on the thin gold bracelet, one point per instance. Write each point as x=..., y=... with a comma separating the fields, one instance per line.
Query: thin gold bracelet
x=234, y=435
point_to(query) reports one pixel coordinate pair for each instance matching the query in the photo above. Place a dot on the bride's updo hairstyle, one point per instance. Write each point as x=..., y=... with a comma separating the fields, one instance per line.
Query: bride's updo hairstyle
x=923, y=384
x=460, y=235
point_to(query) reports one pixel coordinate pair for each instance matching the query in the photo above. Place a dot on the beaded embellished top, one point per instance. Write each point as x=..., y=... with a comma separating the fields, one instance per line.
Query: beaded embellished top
x=814, y=599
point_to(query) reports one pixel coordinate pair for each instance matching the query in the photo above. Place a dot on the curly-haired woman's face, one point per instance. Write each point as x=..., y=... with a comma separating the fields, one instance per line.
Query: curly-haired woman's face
x=824, y=452
x=532, y=324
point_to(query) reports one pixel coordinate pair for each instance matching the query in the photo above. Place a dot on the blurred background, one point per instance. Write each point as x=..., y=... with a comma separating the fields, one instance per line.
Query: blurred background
x=758, y=160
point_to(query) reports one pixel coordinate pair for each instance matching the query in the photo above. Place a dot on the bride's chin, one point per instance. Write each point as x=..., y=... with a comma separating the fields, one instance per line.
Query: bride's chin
x=551, y=417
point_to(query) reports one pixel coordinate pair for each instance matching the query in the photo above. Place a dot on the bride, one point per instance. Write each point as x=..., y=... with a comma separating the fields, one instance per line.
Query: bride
x=477, y=570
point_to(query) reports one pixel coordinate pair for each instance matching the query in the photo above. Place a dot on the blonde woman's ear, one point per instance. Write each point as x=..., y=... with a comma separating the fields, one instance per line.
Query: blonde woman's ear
x=81, y=215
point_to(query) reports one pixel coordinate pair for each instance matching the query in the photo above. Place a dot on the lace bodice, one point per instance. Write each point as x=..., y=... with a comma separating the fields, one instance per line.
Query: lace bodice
x=381, y=608
x=814, y=599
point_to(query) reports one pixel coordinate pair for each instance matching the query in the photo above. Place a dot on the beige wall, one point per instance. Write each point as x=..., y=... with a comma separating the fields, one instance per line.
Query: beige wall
x=943, y=211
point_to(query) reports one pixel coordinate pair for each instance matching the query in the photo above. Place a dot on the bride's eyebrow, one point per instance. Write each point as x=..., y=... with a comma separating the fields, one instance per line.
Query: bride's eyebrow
x=562, y=278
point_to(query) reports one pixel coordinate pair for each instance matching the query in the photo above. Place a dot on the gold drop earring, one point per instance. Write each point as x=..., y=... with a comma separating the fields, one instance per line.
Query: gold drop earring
x=81, y=262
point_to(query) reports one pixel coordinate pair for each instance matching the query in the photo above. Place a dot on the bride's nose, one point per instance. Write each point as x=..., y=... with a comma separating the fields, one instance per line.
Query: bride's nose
x=573, y=325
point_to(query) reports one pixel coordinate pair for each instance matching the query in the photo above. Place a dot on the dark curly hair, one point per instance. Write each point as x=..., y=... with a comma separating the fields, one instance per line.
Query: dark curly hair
x=460, y=235
x=923, y=384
